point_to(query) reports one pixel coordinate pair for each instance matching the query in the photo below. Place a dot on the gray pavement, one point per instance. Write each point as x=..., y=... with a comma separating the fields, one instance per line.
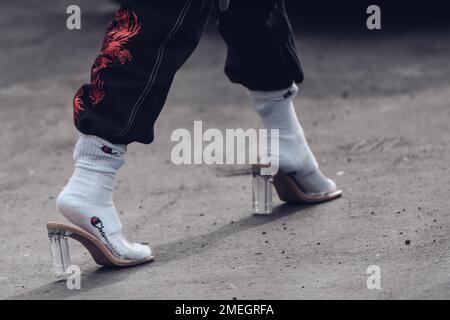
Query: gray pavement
x=375, y=109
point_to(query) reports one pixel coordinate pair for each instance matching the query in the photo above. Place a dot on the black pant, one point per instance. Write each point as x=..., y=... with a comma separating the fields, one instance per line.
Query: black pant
x=149, y=40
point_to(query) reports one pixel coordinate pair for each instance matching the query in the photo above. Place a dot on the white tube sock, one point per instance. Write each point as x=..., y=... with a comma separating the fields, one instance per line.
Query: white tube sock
x=277, y=111
x=87, y=199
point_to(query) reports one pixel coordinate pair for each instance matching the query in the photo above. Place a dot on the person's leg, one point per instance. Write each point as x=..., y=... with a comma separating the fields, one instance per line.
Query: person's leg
x=262, y=56
x=145, y=44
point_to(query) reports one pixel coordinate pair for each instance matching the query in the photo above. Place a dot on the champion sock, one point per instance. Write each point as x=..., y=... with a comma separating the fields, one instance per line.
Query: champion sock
x=277, y=111
x=87, y=199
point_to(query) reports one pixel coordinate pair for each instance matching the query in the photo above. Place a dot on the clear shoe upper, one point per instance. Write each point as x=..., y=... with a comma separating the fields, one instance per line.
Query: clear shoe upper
x=315, y=183
x=124, y=249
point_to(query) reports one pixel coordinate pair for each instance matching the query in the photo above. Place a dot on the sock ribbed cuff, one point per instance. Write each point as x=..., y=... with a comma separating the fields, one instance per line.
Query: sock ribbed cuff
x=96, y=154
x=276, y=95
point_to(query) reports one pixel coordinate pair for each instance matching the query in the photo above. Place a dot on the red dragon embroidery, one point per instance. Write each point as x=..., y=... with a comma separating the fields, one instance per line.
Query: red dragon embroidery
x=124, y=26
x=120, y=31
x=78, y=103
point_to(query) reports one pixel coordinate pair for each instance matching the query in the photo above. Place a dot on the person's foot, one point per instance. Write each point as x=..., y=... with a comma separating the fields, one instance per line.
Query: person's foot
x=277, y=111
x=315, y=183
x=87, y=201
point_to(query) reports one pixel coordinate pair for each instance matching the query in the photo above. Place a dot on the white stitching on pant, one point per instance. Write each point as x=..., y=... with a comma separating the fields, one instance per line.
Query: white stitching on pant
x=155, y=70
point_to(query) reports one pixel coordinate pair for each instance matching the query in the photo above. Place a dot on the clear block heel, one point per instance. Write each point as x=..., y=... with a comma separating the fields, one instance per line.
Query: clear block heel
x=262, y=192
x=59, y=247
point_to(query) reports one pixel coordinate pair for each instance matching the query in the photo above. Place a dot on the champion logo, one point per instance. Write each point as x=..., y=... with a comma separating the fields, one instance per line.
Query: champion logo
x=108, y=150
x=98, y=224
x=288, y=94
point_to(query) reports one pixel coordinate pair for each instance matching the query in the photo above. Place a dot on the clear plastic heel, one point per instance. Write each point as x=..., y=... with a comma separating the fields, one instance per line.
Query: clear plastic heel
x=262, y=192
x=59, y=247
